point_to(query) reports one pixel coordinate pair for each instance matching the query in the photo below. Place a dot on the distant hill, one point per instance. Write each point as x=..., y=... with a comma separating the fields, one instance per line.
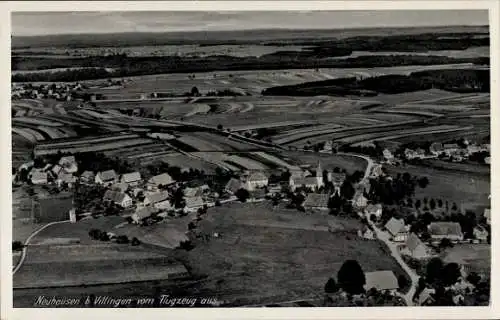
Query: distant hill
x=284, y=36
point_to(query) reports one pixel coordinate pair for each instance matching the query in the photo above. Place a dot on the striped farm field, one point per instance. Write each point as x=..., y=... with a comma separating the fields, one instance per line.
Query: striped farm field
x=282, y=124
x=25, y=134
x=199, y=108
x=36, y=121
x=52, y=133
x=363, y=138
x=277, y=161
x=290, y=133
x=38, y=136
x=215, y=158
x=200, y=144
x=245, y=162
x=93, y=147
x=412, y=112
x=183, y=161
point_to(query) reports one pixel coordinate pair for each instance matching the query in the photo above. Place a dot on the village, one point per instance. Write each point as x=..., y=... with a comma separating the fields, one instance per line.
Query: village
x=412, y=239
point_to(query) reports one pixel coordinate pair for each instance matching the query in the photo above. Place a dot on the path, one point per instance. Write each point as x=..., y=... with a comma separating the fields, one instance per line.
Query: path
x=26, y=243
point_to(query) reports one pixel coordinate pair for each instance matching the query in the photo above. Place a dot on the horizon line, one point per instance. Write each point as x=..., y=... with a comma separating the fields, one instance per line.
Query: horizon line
x=255, y=29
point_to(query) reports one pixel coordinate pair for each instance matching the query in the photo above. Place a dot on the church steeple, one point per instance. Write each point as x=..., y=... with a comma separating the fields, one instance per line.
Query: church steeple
x=319, y=172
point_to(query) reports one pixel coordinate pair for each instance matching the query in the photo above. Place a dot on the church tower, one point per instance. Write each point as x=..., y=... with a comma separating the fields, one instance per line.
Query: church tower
x=319, y=175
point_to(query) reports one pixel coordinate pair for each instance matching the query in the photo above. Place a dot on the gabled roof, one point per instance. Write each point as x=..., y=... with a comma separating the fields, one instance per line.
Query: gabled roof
x=305, y=181
x=373, y=207
x=122, y=187
x=257, y=176
x=233, y=185
x=38, y=175
x=413, y=242
x=115, y=196
x=157, y=197
x=487, y=213
x=394, y=226
x=145, y=212
x=192, y=202
x=381, y=280
x=56, y=169
x=67, y=159
x=66, y=177
x=450, y=146
x=107, y=175
x=161, y=179
x=436, y=147
x=425, y=295
x=316, y=200
x=445, y=228
x=193, y=192
x=87, y=174
x=131, y=177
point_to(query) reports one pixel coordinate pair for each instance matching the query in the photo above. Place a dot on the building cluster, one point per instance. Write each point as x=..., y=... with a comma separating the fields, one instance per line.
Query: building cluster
x=60, y=92
x=447, y=151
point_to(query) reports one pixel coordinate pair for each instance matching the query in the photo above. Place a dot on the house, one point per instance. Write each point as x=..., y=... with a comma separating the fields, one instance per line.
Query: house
x=158, y=200
x=256, y=195
x=396, y=228
x=436, y=148
x=69, y=164
x=480, y=233
x=87, y=177
x=473, y=148
x=107, y=177
x=38, y=177
x=426, y=297
x=450, y=148
x=375, y=209
x=196, y=192
x=132, y=179
x=416, y=248
x=119, y=198
x=193, y=204
x=361, y=202
x=316, y=201
x=487, y=215
x=471, y=258
x=163, y=179
x=121, y=186
x=143, y=213
x=387, y=155
x=56, y=170
x=445, y=230
x=377, y=171
x=381, y=280
x=487, y=160
x=328, y=147
x=67, y=178
x=273, y=189
x=366, y=233
x=256, y=180
x=232, y=186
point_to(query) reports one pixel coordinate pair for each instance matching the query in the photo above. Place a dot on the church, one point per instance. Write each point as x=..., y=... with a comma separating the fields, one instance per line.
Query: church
x=312, y=182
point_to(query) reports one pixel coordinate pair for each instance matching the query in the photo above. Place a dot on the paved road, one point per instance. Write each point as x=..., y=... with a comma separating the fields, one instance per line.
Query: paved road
x=26, y=243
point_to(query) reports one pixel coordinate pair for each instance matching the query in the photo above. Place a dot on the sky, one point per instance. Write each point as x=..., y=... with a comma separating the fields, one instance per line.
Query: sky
x=46, y=23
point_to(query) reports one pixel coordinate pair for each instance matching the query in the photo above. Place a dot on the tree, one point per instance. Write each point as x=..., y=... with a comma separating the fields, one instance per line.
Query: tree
x=454, y=207
x=473, y=278
x=423, y=182
x=373, y=218
x=440, y=203
x=220, y=127
x=432, y=204
x=103, y=236
x=195, y=92
x=351, y=277
x=331, y=286
x=94, y=234
x=17, y=246
x=242, y=194
x=417, y=204
x=135, y=241
x=450, y=274
x=347, y=190
x=402, y=282
x=434, y=270
x=122, y=239
x=445, y=243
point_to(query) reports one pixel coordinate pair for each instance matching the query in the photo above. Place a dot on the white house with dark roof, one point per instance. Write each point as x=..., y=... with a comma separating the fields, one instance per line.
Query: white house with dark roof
x=143, y=213
x=69, y=164
x=193, y=204
x=119, y=198
x=316, y=201
x=396, y=228
x=381, y=280
x=416, y=248
x=87, y=177
x=38, y=177
x=232, y=186
x=158, y=200
x=375, y=209
x=445, y=230
x=480, y=233
x=487, y=215
x=107, y=177
x=132, y=179
x=67, y=178
x=163, y=179
x=255, y=180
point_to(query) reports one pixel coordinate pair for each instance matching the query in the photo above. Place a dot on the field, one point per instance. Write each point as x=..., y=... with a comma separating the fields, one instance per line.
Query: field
x=328, y=161
x=260, y=259
x=468, y=190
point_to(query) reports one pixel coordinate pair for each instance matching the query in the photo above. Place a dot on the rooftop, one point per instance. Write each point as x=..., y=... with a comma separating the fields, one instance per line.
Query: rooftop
x=161, y=179
x=107, y=175
x=445, y=228
x=317, y=200
x=394, y=226
x=381, y=280
x=131, y=177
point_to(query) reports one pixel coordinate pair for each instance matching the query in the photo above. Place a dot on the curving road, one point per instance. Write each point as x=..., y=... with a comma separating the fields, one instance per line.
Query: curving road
x=26, y=243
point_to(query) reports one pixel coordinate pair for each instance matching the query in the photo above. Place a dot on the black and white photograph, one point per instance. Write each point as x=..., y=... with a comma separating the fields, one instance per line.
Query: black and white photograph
x=256, y=159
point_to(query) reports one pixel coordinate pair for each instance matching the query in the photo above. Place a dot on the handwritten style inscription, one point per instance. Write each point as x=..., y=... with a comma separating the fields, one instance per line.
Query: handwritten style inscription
x=163, y=300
